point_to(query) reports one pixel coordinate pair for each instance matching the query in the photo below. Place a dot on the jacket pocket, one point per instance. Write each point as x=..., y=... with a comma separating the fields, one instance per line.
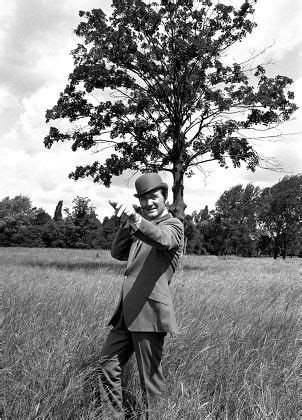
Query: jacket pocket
x=159, y=297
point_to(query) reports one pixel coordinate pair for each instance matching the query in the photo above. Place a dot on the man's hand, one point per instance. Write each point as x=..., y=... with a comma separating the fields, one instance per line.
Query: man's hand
x=125, y=210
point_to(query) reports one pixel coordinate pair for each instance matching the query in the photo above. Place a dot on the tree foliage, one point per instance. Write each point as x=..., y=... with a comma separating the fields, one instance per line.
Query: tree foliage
x=152, y=82
x=84, y=228
x=281, y=213
x=58, y=211
x=15, y=213
x=236, y=216
x=24, y=225
x=247, y=221
x=250, y=222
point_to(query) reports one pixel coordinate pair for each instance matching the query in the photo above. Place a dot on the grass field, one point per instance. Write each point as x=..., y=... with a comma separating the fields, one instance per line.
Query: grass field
x=236, y=355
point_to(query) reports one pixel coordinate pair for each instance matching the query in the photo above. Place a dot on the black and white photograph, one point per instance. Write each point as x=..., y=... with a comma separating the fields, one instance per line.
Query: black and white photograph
x=150, y=208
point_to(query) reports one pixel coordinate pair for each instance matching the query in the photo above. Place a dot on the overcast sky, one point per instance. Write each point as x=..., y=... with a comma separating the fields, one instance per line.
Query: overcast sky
x=36, y=37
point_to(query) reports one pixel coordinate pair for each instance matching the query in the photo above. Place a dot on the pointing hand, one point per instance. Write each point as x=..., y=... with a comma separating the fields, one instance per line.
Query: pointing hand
x=124, y=209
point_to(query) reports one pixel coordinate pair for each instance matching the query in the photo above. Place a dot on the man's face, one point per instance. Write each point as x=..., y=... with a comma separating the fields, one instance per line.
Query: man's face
x=153, y=204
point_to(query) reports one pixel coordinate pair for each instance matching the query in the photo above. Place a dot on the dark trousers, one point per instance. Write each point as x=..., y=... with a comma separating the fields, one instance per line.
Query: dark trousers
x=118, y=348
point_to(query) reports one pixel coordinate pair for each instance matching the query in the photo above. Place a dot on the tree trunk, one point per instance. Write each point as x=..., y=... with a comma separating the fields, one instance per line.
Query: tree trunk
x=178, y=206
x=284, y=250
x=276, y=251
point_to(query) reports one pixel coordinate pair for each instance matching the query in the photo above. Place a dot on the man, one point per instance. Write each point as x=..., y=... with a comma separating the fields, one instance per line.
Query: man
x=151, y=244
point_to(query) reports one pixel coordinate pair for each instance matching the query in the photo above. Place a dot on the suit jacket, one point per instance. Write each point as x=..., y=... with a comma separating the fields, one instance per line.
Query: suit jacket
x=152, y=252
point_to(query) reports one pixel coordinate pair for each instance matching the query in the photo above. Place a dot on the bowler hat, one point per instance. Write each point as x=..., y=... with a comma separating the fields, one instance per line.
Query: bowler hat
x=148, y=182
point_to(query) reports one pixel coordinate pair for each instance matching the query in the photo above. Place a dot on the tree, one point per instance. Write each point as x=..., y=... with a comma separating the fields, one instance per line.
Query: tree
x=110, y=228
x=236, y=215
x=58, y=211
x=20, y=223
x=40, y=217
x=197, y=229
x=169, y=101
x=55, y=234
x=28, y=236
x=190, y=233
x=280, y=214
x=83, y=229
x=15, y=213
x=19, y=206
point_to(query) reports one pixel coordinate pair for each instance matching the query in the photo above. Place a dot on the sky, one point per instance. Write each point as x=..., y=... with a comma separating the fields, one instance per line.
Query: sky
x=36, y=37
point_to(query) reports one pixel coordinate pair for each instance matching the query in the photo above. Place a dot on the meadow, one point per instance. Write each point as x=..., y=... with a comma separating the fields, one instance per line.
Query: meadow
x=236, y=356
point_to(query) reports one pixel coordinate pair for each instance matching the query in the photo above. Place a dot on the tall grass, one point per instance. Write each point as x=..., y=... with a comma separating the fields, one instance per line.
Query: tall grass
x=236, y=355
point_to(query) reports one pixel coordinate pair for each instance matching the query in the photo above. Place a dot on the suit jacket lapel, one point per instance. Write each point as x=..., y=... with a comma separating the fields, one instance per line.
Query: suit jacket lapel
x=138, y=243
x=133, y=251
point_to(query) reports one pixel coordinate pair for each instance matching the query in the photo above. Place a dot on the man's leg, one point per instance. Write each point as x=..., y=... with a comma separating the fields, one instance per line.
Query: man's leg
x=115, y=354
x=148, y=348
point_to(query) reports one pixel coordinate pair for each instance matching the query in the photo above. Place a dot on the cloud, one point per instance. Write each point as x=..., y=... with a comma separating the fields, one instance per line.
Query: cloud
x=38, y=34
x=7, y=12
x=278, y=35
x=29, y=128
x=32, y=27
x=44, y=178
x=286, y=16
x=290, y=63
x=7, y=101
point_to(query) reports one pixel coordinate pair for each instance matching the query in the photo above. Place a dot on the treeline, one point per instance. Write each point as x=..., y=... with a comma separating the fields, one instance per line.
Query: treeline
x=250, y=222
x=24, y=225
x=246, y=222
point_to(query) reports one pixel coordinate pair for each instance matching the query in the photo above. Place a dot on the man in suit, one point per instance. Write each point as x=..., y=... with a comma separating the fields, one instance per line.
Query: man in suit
x=151, y=243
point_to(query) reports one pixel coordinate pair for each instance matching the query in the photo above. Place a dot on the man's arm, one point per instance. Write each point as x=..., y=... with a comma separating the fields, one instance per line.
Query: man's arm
x=121, y=245
x=168, y=234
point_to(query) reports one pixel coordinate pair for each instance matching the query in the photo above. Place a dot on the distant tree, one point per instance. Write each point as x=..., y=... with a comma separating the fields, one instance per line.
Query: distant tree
x=83, y=228
x=20, y=223
x=265, y=243
x=196, y=232
x=280, y=214
x=24, y=225
x=39, y=217
x=204, y=214
x=215, y=240
x=110, y=227
x=170, y=102
x=19, y=206
x=236, y=215
x=28, y=236
x=58, y=211
x=15, y=213
x=32, y=234
x=190, y=233
x=55, y=235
